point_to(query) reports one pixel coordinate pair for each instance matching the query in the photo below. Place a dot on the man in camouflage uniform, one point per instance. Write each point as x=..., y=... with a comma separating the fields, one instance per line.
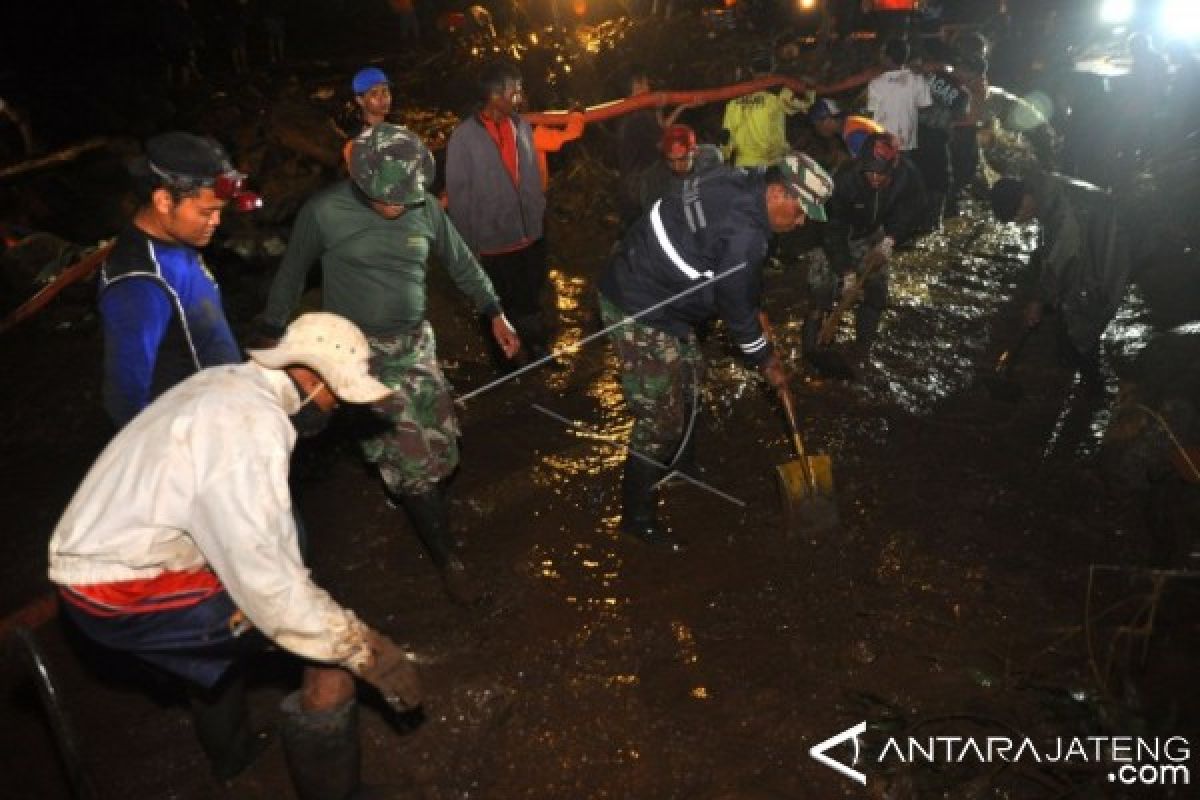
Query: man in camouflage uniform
x=714, y=228
x=373, y=234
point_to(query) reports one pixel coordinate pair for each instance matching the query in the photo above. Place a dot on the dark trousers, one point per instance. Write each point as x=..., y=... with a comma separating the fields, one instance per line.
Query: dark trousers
x=932, y=158
x=519, y=278
x=964, y=158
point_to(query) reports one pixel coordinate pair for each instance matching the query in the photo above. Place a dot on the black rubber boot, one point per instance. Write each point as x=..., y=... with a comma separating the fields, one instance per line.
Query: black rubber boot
x=639, y=511
x=221, y=721
x=430, y=517
x=322, y=750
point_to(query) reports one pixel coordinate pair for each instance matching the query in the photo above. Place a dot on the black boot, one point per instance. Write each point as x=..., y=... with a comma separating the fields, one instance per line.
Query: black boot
x=322, y=750
x=639, y=512
x=221, y=721
x=429, y=513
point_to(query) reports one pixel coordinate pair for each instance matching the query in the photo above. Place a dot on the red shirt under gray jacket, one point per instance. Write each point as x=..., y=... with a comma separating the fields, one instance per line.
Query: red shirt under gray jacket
x=493, y=213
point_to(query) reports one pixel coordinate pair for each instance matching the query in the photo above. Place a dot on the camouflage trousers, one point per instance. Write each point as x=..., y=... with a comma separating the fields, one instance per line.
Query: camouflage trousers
x=660, y=380
x=420, y=446
x=825, y=287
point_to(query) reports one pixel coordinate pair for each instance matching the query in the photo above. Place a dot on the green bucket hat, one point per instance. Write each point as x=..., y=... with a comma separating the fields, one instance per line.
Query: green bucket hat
x=391, y=164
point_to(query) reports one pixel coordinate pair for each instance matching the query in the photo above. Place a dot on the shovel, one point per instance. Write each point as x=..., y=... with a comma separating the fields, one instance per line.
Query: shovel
x=872, y=263
x=829, y=362
x=806, y=483
x=1000, y=383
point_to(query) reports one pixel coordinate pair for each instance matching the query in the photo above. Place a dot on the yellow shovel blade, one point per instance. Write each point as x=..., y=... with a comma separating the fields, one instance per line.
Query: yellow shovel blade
x=808, y=499
x=796, y=483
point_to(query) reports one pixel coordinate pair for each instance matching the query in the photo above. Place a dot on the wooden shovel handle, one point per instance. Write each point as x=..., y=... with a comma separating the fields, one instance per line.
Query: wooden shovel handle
x=834, y=318
x=872, y=263
x=789, y=411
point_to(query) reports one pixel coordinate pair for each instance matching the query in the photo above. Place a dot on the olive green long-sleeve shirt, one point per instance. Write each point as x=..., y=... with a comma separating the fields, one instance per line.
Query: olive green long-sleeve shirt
x=374, y=269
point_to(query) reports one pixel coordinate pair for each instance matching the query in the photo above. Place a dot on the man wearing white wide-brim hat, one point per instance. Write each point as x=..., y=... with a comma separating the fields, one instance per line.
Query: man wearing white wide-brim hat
x=180, y=547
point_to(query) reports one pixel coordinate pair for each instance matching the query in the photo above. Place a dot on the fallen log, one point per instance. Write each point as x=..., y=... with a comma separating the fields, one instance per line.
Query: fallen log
x=54, y=159
x=76, y=272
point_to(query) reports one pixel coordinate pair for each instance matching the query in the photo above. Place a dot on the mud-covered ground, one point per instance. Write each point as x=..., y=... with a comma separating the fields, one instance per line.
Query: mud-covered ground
x=984, y=580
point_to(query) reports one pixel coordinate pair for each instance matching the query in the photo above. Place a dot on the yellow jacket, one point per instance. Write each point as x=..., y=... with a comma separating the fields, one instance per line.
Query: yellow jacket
x=757, y=125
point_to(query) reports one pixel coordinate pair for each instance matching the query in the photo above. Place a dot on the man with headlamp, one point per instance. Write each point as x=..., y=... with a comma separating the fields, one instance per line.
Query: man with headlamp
x=161, y=308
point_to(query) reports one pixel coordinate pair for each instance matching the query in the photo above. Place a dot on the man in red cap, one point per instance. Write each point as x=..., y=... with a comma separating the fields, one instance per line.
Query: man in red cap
x=681, y=160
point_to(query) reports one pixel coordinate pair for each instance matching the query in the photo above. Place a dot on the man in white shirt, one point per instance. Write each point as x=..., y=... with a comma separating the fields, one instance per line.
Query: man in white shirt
x=180, y=548
x=895, y=95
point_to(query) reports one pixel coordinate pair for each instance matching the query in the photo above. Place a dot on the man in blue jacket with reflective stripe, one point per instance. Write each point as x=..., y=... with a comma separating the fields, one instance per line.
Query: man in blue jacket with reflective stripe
x=711, y=229
x=161, y=309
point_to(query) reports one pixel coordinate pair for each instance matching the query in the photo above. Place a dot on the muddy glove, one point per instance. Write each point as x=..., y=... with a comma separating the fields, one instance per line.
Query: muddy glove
x=849, y=281
x=774, y=371
x=885, y=247
x=393, y=672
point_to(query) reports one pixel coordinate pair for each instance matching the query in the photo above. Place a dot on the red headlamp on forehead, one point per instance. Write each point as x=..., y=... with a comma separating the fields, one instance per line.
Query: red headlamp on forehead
x=228, y=186
x=231, y=186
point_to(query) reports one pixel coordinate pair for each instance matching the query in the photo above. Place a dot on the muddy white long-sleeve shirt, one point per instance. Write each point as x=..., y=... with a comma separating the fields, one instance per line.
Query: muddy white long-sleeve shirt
x=197, y=480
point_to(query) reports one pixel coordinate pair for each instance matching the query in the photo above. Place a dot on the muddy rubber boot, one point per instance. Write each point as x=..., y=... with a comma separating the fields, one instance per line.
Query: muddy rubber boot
x=322, y=750
x=429, y=513
x=639, y=505
x=221, y=721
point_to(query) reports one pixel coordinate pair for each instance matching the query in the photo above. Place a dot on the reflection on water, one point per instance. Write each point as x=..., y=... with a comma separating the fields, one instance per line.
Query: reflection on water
x=945, y=294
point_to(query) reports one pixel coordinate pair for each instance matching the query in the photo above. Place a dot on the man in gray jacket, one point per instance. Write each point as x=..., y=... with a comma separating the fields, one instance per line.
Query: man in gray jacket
x=497, y=203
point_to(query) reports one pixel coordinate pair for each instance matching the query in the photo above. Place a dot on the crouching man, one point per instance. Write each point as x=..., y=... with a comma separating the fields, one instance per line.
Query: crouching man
x=180, y=548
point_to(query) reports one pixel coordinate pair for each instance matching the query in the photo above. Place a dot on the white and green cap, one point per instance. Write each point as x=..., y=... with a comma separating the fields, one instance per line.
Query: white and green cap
x=809, y=181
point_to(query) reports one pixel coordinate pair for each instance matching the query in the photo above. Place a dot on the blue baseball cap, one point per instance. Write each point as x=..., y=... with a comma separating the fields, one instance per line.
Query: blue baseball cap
x=824, y=108
x=368, y=77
